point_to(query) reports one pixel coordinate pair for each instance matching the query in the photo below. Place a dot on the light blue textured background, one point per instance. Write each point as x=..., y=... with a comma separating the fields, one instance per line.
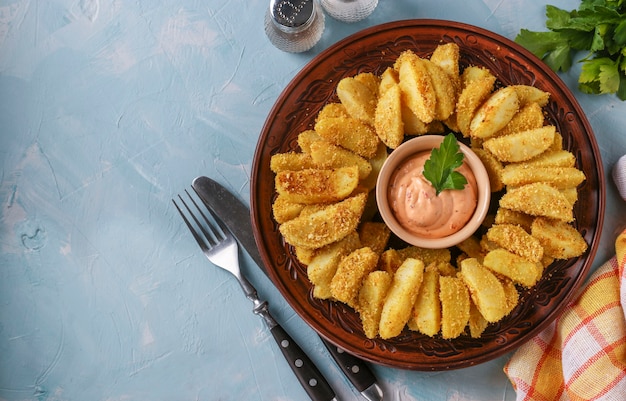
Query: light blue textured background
x=110, y=108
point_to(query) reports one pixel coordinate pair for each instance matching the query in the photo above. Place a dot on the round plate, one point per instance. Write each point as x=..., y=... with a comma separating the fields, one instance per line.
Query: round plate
x=373, y=50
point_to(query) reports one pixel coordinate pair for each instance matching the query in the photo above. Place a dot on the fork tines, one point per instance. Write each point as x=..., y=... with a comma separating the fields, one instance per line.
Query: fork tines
x=209, y=226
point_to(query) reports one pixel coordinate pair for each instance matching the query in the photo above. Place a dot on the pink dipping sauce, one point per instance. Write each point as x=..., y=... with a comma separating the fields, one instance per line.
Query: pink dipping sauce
x=419, y=210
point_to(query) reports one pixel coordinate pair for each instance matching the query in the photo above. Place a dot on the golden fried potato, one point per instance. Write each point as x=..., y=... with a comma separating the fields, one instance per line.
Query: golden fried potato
x=374, y=235
x=377, y=163
x=494, y=168
x=416, y=85
x=285, y=210
x=471, y=97
x=371, y=300
x=426, y=255
x=306, y=138
x=401, y=298
x=351, y=271
x=304, y=255
x=323, y=265
x=317, y=185
x=559, y=240
x=388, y=79
x=325, y=226
x=471, y=247
x=495, y=113
x=521, y=146
x=527, y=118
x=511, y=293
x=538, y=199
x=332, y=110
x=357, y=98
x=558, y=177
x=508, y=216
x=447, y=57
x=390, y=260
x=350, y=133
x=426, y=313
x=329, y=156
x=455, y=306
x=529, y=94
x=485, y=290
x=291, y=161
x=369, y=79
x=476, y=323
x=445, y=90
x=412, y=124
x=388, y=117
x=515, y=239
x=519, y=269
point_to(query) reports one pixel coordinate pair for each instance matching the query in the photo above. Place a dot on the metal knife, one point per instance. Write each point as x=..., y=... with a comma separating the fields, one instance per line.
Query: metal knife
x=236, y=216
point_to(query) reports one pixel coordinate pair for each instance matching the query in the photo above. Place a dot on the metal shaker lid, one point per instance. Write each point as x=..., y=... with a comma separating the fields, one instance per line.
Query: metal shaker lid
x=292, y=15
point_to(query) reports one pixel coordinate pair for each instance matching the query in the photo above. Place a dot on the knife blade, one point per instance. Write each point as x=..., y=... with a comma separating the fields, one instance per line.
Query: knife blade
x=236, y=216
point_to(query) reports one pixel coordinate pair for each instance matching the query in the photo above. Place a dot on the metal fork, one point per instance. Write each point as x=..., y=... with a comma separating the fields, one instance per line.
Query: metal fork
x=220, y=247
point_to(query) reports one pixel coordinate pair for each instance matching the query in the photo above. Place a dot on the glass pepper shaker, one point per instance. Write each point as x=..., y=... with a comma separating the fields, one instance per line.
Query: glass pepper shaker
x=294, y=25
x=349, y=10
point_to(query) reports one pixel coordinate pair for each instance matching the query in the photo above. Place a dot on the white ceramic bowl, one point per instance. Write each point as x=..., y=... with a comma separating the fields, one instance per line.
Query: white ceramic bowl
x=410, y=148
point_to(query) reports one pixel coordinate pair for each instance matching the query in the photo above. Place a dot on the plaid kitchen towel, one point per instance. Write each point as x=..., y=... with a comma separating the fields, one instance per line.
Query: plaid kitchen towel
x=582, y=355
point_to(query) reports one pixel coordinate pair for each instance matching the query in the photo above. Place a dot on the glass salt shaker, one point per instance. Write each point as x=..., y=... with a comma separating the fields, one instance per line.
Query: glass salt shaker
x=349, y=10
x=294, y=25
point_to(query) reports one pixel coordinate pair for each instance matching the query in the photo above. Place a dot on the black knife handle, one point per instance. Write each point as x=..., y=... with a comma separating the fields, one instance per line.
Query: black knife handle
x=307, y=373
x=354, y=368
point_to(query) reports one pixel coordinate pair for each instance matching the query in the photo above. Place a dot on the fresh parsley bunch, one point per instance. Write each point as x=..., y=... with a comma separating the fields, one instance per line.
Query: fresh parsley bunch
x=598, y=26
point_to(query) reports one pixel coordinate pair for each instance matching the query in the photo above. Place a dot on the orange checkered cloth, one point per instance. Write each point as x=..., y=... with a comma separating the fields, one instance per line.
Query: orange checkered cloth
x=582, y=355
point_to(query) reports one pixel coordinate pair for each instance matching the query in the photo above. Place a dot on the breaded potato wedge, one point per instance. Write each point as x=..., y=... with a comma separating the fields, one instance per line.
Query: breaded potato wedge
x=377, y=163
x=350, y=133
x=559, y=240
x=471, y=247
x=558, y=177
x=471, y=97
x=495, y=113
x=571, y=194
x=369, y=79
x=323, y=265
x=521, y=146
x=357, y=98
x=519, y=269
x=538, y=199
x=426, y=255
x=476, y=323
x=371, y=300
x=388, y=117
x=511, y=293
x=529, y=94
x=447, y=57
x=416, y=85
x=515, y=239
x=325, y=226
x=329, y=156
x=528, y=117
x=389, y=261
x=351, y=271
x=333, y=110
x=306, y=138
x=317, y=185
x=412, y=124
x=304, y=255
x=549, y=158
x=426, y=313
x=508, y=216
x=284, y=210
x=445, y=90
x=291, y=161
x=374, y=235
x=401, y=297
x=485, y=290
x=494, y=168
x=455, y=306
x=388, y=78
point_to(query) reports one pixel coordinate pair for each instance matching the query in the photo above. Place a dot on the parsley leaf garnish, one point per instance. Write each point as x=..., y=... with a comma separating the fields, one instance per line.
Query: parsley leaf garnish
x=597, y=26
x=440, y=168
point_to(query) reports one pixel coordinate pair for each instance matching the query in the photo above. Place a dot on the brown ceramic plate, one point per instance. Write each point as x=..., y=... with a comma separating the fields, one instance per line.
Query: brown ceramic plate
x=372, y=50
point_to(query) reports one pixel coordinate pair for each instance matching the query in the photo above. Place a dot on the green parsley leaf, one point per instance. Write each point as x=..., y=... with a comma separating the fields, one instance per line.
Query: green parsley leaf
x=597, y=26
x=440, y=168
